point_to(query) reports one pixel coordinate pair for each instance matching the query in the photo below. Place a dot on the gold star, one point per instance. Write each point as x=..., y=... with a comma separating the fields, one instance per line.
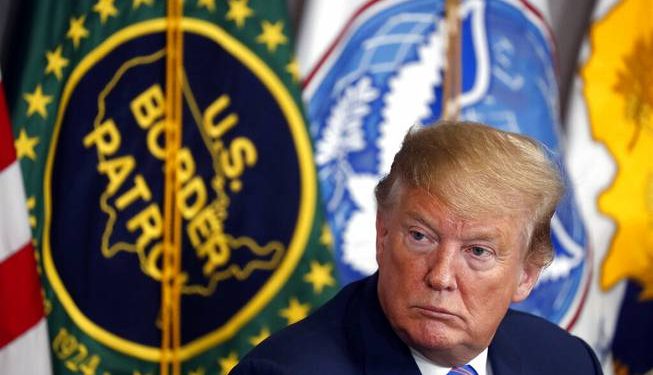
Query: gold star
x=47, y=304
x=295, y=311
x=37, y=257
x=105, y=9
x=137, y=3
x=326, y=237
x=56, y=62
x=31, y=204
x=227, y=363
x=36, y=102
x=293, y=69
x=255, y=340
x=198, y=371
x=238, y=12
x=320, y=276
x=208, y=4
x=272, y=35
x=25, y=145
x=76, y=30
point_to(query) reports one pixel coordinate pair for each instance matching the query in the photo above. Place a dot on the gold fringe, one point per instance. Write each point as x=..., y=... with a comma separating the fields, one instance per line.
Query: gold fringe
x=453, y=70
x=170, y=288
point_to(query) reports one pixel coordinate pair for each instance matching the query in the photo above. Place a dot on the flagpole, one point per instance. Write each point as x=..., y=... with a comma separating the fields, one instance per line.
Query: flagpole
x=170, y=288
x=453, y=69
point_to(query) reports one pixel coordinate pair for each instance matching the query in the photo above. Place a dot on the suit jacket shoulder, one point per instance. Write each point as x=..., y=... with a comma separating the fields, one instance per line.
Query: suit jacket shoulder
x=303, y=347
x=526, y=344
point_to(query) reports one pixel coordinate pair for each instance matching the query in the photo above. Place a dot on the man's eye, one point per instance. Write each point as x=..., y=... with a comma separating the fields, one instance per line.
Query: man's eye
x=418, y=236
x=479, y=251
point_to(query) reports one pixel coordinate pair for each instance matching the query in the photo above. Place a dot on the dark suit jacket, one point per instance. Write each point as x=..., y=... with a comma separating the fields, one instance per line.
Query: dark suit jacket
x=351, y=335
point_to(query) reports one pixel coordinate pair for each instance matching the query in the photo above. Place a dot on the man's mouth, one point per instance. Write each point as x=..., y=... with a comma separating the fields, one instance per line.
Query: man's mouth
x=435, y=312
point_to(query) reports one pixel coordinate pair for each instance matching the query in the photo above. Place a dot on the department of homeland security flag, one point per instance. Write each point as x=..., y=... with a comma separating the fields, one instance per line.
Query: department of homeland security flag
x=611, y=164
x=87, y=94
x=385, y=73
x=23, y=330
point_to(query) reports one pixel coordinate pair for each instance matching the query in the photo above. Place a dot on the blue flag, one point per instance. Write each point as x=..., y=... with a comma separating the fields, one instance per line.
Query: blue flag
x=385, y=73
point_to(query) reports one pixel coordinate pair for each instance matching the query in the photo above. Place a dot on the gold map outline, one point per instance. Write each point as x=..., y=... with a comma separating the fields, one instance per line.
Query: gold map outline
x=108, y=251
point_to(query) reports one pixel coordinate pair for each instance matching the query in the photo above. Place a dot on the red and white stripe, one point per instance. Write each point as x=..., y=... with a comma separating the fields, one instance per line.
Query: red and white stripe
x=23, y=332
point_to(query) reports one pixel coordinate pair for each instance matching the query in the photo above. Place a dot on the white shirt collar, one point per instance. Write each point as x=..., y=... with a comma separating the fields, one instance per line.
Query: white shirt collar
x=480, y=363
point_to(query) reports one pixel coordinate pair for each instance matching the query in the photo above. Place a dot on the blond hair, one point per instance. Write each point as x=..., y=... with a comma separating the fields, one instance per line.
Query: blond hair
x=478, y=171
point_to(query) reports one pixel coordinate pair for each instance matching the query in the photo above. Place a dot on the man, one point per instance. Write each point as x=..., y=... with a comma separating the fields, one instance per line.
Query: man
x=463, y=230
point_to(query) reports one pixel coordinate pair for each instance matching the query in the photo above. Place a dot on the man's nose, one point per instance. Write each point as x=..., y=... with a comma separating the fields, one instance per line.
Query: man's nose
x=441, y=273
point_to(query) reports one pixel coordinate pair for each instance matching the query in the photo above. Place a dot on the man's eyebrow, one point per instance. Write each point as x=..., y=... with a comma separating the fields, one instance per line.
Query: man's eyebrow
x=420, y=218
x=489, y=232
x=486, y=233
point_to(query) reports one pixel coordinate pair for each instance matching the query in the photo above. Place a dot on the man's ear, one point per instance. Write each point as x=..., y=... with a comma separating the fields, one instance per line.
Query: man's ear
x=527, y=279
x=381, y=234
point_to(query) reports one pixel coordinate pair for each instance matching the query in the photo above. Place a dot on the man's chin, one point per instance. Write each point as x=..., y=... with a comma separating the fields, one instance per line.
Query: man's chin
x=444, y=351
x=438, y=338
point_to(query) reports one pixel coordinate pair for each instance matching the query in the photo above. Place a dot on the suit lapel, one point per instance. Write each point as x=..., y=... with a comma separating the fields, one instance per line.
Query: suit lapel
x=377, y=347
x=505, y=358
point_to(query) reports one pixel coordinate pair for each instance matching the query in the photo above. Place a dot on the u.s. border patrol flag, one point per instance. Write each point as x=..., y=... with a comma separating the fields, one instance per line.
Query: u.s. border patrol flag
x=611, y=164
x=385, y=73
x=88, y=95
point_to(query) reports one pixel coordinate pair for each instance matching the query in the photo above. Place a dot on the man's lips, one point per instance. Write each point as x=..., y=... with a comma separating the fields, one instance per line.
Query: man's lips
x=436, y=312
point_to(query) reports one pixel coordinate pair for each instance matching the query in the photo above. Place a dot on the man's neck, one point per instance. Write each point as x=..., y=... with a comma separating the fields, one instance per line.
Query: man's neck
x=427, y=366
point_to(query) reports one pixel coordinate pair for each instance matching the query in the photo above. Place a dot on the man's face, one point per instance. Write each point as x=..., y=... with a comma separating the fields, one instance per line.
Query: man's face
x=445, y=282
